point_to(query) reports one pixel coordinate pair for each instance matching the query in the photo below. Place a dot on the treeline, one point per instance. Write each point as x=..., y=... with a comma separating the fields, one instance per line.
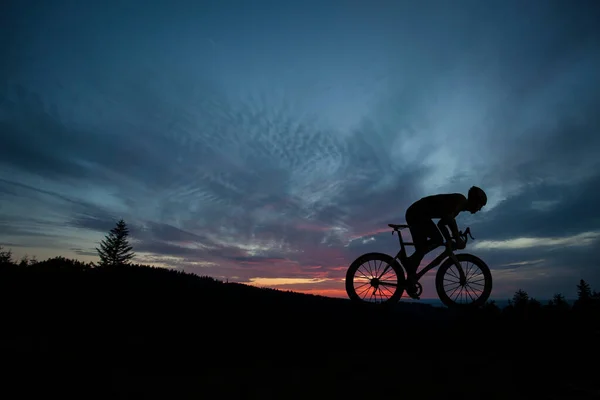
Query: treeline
x=118, y=284
x=523, y=306
x=556, y=317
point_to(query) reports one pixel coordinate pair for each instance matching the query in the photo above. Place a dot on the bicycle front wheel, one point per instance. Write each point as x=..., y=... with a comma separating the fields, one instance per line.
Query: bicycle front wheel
x=476, y=289
x=375, y=278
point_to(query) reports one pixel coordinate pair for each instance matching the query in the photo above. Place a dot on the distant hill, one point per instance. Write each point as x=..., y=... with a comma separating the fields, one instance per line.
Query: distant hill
x=501, y=303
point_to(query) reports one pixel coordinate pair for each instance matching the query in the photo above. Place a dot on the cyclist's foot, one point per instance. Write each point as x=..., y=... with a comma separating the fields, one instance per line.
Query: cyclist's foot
x=411, y=287
x=412, y=292
x=414, y=296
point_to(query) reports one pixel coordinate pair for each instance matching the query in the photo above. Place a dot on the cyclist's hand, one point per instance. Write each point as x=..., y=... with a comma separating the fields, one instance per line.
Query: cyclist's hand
x=460, y=243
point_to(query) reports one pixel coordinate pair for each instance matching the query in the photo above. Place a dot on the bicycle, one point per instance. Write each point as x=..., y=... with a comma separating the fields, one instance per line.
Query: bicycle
x=457, y=279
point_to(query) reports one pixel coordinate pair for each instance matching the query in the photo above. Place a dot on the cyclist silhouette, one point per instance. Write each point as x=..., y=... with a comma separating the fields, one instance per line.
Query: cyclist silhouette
x=445, y=207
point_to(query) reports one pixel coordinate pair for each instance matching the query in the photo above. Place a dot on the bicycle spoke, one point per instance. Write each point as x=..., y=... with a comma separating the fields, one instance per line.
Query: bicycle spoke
x=377, y=268
x=373, y=292
x=477, y=273
x=389, y=281
x=477, y=282
x=450, y=271
x=472, y=288
x=468, y=293
x=386, y=272
x=374, y=280
x=453, y=287
x=453, y=291
x=374, y=268
x=366, y=273
x=370, y=269
x=459, y=293
x=381, y=294
x=467, y=271
x=366, y=291
x=474, y=291
x=448, y=280
x=476, y=277
x=366, y=277
x=388, y=290
x=369, y=292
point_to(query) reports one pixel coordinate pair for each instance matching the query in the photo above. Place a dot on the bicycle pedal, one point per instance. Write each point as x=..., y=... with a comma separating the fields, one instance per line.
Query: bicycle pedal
x=413, y=295
x=414, y=290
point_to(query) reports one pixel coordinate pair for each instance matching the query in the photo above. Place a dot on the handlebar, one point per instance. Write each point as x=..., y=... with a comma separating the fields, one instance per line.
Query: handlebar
x=466, y=232
x=464, y=235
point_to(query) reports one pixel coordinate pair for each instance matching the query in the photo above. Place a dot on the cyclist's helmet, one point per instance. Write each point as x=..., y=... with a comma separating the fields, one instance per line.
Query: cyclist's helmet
x=478, y=195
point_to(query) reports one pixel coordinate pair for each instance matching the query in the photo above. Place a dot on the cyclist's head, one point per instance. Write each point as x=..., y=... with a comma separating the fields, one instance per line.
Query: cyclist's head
x=477, y=199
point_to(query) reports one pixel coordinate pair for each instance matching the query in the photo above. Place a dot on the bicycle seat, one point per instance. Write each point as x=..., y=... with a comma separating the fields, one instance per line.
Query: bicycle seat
x=397, y=227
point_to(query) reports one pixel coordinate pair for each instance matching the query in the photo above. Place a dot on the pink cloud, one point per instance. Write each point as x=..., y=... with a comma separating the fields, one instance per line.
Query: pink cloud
x=312, y=227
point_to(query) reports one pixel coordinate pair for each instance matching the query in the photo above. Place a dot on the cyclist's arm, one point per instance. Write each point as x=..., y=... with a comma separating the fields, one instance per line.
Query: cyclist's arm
x=453, y=227
x=450, y=220
x=451, y=223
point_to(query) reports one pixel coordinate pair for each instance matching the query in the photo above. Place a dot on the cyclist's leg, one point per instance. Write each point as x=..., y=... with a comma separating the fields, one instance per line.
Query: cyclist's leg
x=419, y=231
x=434, y=234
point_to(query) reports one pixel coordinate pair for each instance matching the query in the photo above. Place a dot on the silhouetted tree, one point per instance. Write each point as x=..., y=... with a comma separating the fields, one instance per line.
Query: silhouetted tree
x=115, y=248
x=5, y=255
x=522, y=306
x=584, y=291
x=558, y=302
x=26, y=260
x=587, y=305
x=534, y=303
x=520, y=299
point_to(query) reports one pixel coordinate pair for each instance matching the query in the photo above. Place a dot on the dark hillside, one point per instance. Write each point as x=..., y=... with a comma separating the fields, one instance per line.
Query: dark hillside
x=110, y=331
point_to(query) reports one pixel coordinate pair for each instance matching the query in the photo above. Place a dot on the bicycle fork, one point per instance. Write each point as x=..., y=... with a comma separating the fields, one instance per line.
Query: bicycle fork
x=461, y=274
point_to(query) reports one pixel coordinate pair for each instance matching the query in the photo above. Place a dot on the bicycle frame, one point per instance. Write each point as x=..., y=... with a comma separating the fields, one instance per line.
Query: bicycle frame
x=448, y=253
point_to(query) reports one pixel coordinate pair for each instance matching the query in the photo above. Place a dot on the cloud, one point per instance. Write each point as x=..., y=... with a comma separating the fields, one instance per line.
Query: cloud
x=262, y=162
x=522, y=263
x=284, y=281
x=582, y=239
x=575, y=211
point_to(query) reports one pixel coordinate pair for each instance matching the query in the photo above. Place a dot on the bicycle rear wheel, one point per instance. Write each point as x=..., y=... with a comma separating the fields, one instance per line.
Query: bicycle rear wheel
x=375, y=278
x=476, y=289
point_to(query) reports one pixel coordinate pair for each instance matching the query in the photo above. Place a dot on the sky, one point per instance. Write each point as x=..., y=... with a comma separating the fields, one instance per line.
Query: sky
x=271, y=142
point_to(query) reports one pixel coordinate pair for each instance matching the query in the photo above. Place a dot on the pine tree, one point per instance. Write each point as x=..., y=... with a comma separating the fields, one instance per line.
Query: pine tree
x=115, y=248
x=584, y=291
x=520, y=298
x=559, y=302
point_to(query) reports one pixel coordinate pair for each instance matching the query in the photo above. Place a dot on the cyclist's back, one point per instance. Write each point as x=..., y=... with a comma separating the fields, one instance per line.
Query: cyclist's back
x=436, y=206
